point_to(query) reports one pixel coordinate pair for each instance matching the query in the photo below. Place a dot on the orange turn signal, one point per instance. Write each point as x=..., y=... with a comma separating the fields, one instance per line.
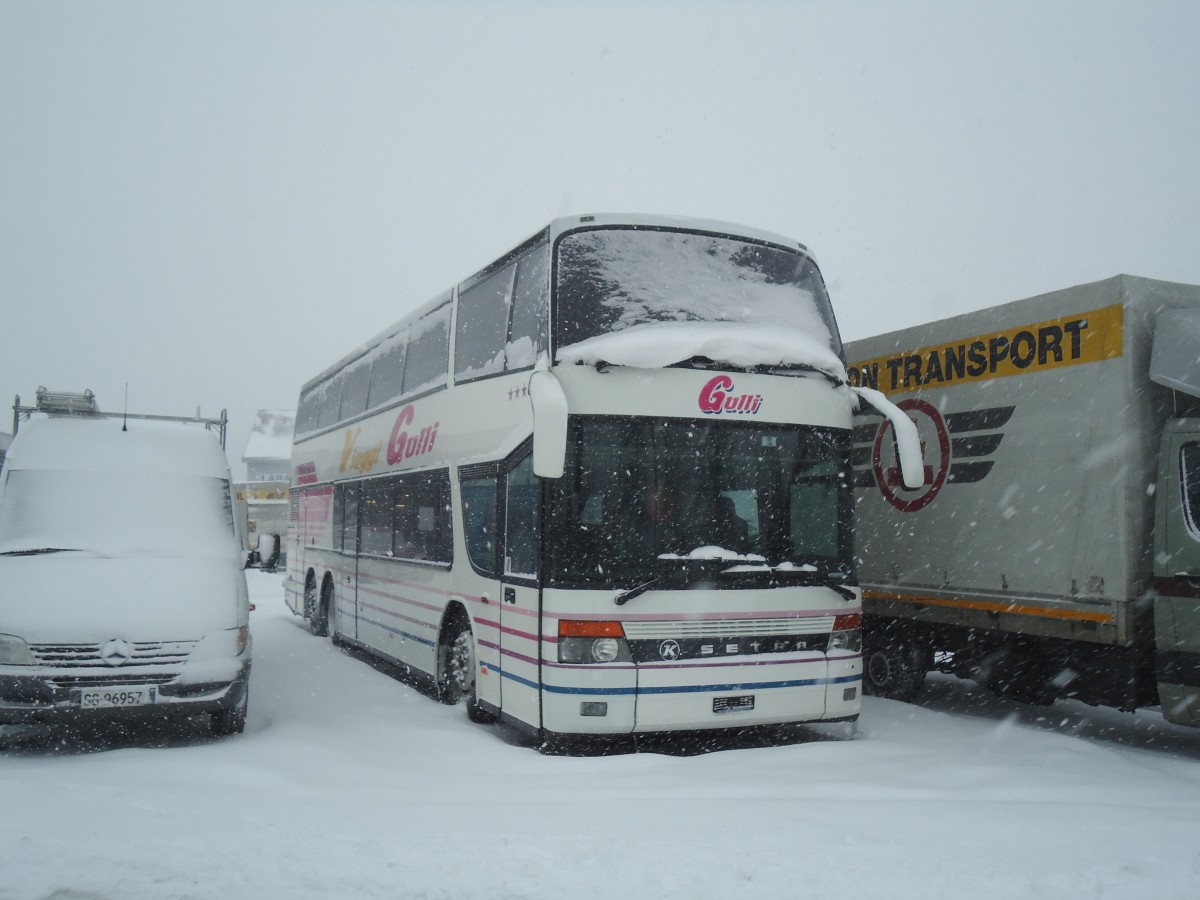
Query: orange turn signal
x=847, y=621
x=571, y=628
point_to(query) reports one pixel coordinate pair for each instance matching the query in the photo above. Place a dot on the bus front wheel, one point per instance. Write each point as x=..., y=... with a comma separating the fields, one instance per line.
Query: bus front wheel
x=458, y=669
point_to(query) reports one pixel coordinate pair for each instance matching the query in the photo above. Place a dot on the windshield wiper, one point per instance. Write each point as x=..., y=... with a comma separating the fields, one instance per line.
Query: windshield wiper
x=841, y=589
x=623, y=598
x=38, y=552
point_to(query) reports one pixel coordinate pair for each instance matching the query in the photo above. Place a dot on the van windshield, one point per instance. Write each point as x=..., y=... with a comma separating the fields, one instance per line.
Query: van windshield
x=115, y=514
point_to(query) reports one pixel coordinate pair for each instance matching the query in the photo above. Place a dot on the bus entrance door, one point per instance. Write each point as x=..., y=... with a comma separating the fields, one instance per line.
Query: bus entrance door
x=520, y=606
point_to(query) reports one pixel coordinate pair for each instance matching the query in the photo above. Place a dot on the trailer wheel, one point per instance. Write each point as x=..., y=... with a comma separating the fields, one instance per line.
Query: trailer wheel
x=458, y=668
x=894, y=670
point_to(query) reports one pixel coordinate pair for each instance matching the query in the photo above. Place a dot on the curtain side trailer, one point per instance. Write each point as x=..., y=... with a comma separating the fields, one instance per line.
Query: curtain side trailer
x=1053, y=549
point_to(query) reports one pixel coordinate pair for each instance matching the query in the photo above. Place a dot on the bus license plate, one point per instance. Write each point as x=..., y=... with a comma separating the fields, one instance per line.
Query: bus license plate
x=733, y=704
x=109, y=698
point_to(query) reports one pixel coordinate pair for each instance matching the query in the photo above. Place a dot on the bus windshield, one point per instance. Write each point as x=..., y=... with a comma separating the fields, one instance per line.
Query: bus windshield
x=676, y=500
x=613, y=279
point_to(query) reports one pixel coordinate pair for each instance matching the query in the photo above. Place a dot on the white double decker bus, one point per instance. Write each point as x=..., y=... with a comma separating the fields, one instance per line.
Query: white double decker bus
x=600, y=487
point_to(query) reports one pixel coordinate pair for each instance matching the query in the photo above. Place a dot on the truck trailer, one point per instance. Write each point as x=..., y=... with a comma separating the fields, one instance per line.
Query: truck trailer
x=1053, y=548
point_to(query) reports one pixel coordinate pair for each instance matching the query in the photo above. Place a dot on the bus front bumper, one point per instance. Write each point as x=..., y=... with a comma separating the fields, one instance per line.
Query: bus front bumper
x=771, y=689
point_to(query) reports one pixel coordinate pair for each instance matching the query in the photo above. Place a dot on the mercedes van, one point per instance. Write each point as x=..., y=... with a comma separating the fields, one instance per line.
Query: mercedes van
x=122, y=591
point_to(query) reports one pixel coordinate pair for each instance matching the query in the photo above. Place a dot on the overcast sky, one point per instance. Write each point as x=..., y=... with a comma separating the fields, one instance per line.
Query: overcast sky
x=213, y=201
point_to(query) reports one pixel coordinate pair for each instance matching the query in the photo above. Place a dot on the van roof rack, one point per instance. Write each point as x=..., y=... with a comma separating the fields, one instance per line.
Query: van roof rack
x=66, y=403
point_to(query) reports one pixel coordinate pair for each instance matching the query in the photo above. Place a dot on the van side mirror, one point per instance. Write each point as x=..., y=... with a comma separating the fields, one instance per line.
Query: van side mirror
x=908, y=442
x=549, y=424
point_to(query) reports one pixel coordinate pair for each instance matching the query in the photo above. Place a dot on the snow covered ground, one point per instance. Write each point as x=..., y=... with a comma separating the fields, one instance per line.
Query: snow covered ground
x=349, y=783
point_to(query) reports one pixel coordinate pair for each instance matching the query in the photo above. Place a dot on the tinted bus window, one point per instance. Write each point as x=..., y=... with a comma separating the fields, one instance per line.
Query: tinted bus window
x=345, y=518
x=354, y=392
x=375, y=508
x=428, y=352
x=331, y=402
x=482, y=326
x=522, y=504
x=387, y=374
x=479, y=521
x=423, y=518
x=530, y=310
x=309, y=411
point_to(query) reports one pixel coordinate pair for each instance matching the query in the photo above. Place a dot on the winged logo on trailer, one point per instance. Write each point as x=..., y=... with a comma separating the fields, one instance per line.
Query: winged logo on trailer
x=956, y=447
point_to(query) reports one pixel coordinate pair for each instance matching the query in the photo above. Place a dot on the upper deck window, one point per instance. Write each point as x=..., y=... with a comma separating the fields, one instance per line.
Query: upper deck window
x=502, y=318
x=613, y=279
x=482, y=329
x=428, y=352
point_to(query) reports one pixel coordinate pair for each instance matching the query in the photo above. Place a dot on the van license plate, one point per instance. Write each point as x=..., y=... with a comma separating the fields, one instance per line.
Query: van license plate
x=108, y=698
x=733, y=704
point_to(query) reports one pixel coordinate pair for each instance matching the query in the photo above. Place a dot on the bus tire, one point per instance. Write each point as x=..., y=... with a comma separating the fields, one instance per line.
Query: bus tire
x=318, y=624
x=310, y=597
x=458, y=669
x=894, y=670
x=330, y=608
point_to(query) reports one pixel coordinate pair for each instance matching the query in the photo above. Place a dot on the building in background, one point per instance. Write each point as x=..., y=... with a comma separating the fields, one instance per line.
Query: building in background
x=5, y=440
x=262, y=499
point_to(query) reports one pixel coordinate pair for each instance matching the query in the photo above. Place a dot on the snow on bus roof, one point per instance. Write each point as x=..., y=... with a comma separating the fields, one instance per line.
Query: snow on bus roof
x=99, y=444
x=659, y=344
x=554, y=230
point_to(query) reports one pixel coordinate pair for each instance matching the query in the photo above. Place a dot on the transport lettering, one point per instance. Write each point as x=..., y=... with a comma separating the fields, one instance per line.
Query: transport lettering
x=717, y=397
x=1088, y=337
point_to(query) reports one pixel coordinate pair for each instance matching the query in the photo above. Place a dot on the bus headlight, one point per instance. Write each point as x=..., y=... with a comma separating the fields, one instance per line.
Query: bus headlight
x=591, y=642
x=605, y=649
x=847, y=634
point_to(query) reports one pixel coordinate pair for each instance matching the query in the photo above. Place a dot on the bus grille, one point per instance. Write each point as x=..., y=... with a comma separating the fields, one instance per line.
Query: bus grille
x=653, y=631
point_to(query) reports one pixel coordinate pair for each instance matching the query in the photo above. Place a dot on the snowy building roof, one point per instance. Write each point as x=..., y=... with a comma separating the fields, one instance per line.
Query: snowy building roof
x=271, y=435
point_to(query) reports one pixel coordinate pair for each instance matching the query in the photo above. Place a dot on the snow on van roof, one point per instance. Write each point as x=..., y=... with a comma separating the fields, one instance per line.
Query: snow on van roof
x=99, y=444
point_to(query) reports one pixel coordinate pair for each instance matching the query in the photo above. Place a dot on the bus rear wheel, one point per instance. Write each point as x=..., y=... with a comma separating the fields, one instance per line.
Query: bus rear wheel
x=318, y=622
x=310, y=597
x=458, y=669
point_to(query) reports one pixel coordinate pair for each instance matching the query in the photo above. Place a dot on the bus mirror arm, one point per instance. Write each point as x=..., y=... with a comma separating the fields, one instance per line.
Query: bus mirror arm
x=908, y=443
x=549, y=423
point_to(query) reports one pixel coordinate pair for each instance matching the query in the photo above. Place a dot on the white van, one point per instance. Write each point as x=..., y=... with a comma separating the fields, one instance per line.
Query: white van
x=121, y=583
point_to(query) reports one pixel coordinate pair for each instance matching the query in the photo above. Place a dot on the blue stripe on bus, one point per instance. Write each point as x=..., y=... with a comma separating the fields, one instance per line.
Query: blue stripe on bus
x=403, y=634
x=677, y=689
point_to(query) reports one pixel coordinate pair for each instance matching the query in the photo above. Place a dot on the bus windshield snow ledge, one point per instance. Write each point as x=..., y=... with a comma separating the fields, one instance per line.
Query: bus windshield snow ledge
x=655, y=345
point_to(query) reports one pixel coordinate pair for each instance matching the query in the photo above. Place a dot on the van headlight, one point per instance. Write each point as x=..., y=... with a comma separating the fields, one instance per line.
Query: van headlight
x=15, y=652
x=222, y=644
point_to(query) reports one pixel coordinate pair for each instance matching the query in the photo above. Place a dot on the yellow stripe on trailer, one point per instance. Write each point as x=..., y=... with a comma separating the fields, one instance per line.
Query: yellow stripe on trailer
x=1012, y=607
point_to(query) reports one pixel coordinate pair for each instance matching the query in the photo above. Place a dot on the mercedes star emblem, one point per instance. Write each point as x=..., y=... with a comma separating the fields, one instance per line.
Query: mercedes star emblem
x=116, y=652
x=669, y=650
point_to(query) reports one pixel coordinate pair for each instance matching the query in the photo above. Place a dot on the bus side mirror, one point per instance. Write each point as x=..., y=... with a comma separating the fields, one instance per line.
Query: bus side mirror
x=908, y=442
x=549, y=424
